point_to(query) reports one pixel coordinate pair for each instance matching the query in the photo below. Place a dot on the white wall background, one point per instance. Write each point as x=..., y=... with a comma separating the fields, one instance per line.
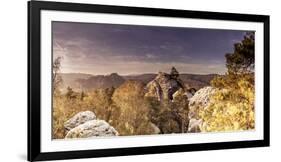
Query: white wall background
x=13, y=82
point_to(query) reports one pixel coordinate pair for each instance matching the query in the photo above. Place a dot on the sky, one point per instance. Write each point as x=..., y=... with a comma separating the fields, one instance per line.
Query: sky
x=102, y=49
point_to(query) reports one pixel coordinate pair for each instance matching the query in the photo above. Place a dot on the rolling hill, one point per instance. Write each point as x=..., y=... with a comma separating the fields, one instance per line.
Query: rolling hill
x=86, y=82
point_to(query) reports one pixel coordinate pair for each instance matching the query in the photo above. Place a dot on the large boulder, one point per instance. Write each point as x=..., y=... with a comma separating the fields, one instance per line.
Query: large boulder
x=200, y=100
x=79, y=118
x=197, y=103
x=92, y=128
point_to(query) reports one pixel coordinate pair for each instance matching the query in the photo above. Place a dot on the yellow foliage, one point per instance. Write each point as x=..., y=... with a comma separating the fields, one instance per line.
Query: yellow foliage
x=63, y=109
x=124, y=108
x=132, y=116
x=232, y=107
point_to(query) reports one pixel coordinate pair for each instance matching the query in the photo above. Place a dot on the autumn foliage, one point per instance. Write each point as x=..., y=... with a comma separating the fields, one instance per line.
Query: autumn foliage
x=130, y=112
x=232, y=106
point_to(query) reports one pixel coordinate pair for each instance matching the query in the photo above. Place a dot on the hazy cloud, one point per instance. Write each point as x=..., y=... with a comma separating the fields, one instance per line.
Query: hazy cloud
x=128, y=49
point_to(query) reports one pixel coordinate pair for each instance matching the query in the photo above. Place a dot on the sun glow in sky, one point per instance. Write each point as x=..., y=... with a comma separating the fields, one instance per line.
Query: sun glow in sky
x=130, y=49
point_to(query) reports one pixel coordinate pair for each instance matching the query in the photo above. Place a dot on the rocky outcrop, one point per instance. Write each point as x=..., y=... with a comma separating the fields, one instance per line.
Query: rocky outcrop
x=199, y=101
x=92, y=128
x=79, y=119
x=85, y=125
x=164, y=85
x=188, y=93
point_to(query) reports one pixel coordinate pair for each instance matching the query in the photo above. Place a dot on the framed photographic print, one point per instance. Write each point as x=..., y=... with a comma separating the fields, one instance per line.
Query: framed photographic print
x=114, y=80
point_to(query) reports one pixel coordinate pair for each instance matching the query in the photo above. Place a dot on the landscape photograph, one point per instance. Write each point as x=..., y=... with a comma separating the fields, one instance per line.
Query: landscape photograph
x=126, y=80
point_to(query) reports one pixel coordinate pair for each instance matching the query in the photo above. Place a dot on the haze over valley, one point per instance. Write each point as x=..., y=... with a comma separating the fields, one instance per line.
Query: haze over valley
x=87, y=82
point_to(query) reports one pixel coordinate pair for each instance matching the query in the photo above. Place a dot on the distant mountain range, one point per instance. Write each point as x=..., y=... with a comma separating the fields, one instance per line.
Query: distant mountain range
x=86, y=82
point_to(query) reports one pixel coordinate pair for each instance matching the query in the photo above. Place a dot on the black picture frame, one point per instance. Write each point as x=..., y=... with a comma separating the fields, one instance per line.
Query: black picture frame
x=34, y=81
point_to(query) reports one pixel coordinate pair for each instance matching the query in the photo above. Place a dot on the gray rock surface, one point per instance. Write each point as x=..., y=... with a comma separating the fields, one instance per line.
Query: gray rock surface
x=78, y=119
x=198, y=102
x=164, y=86
x=194, y=125
x=92, y=128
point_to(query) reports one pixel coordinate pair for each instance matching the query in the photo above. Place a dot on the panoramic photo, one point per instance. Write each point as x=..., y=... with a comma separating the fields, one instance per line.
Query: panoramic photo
x=127, y=80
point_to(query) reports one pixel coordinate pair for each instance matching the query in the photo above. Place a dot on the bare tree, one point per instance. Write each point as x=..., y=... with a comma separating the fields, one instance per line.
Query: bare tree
x=56, y=79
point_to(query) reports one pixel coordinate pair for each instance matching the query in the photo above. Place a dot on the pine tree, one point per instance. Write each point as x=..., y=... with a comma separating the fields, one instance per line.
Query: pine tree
x=70, y=94
x=242, y=60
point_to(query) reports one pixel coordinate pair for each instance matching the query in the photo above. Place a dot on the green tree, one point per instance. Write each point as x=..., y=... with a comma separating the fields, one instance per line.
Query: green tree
x=82, y=95
x=70, y=94
x=242, y=60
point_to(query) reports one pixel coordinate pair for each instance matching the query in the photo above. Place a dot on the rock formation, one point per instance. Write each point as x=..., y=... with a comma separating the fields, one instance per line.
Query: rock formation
x=199, y=101
x=164, y=85
x=78, y=119
x=86, y=125
x=92, y=128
